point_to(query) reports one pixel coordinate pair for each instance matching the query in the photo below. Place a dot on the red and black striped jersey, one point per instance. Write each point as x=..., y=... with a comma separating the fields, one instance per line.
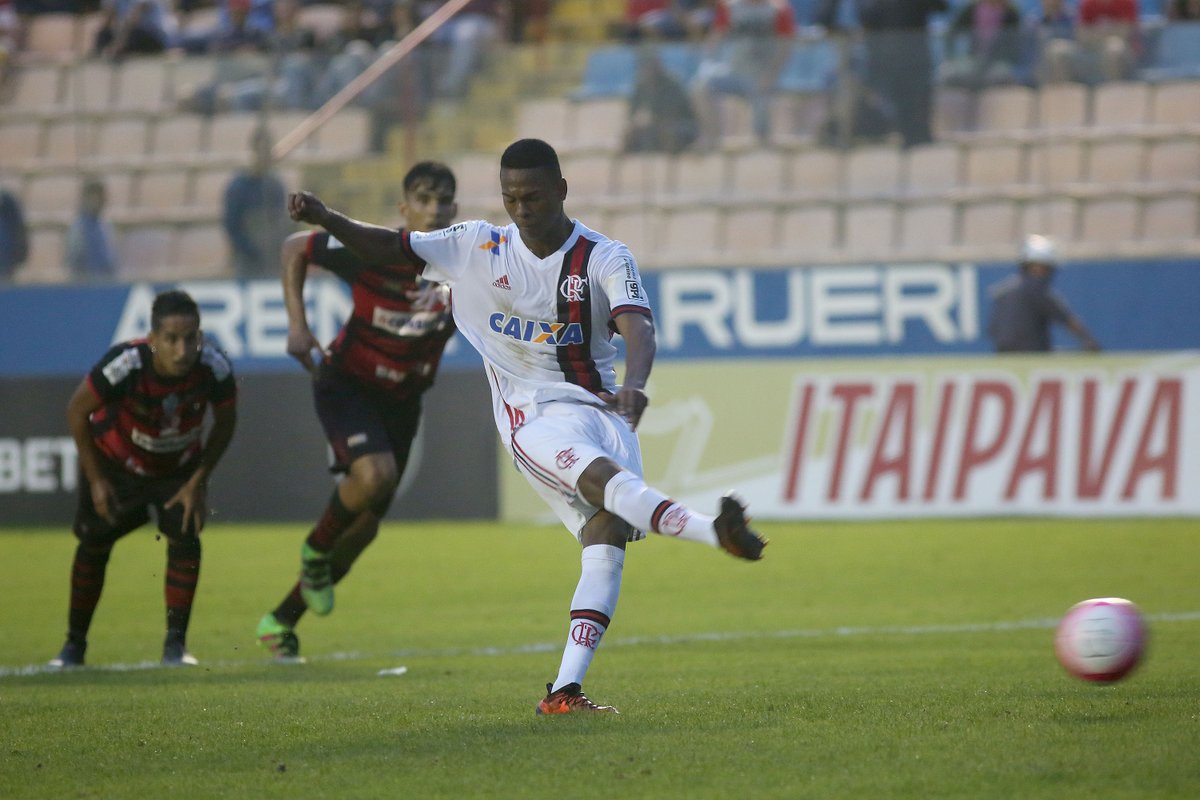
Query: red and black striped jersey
x=149, y=424
x=399, y=326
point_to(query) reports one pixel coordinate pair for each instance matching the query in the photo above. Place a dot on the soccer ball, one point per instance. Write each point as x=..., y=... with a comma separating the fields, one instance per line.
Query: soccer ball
x=1101, y=640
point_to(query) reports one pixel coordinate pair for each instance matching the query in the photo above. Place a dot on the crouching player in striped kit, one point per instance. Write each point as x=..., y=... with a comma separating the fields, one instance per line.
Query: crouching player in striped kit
x=540, y=299
x=137, y=421
x=367, y=389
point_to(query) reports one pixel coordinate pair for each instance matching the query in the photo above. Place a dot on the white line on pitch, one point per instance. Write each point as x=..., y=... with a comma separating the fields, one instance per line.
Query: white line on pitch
x=547, y=647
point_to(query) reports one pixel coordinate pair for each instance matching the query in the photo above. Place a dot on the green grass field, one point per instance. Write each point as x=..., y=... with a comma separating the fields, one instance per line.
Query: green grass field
x=884, y=660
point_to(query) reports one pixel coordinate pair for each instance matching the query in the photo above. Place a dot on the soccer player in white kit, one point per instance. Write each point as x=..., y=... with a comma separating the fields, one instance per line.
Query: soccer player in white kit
x=540, y=299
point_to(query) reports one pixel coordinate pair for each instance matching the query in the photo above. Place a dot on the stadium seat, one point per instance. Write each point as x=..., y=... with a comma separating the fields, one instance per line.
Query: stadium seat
x=229, y=135
x=699, y=177
x=1062, y=107
x=953, y=109
x=47, y=261
x=52, y=196
x=989, y=223
x=1120, y=105
x=816, y=173
x=346, y=133
x=809, y=231
x=20, y=141
x=641, y=177
x=323, y=19
x=1116, y=161
x=870, y=230
x=478, y=179
x=873, y=172
x=120, y=139
x=933, y=169
x=926, y=229
x=163, y=190
x=547, y=118
x=53, y=36
x=1171, y=219
x=1174, y=161
x=1005, y=109
x=90, y=87
x=749, y=233
x=202, y=251
x=1176, y=53
x=796, y=118
x=689, y=236
x=1053, y=216
x=609, y=72
x=758, y=174
x=119, y=189
x=208, y=188
x=1176, y=104
x=180, y=138
x=1107, y=220
x=993, y=167
x=589, y=177
x=67, y=142
x=1056, y=164
x=141, y=85
x=634, y=227
x=188, y=74
x=146, y=251
x=37, y=88
x=599, y=124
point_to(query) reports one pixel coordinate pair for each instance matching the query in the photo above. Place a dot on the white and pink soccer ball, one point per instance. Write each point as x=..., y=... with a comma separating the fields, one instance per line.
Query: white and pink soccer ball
x=1101, y=640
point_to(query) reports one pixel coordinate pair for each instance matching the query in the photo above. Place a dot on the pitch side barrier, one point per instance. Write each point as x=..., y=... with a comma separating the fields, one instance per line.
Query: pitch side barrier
x=728, y=339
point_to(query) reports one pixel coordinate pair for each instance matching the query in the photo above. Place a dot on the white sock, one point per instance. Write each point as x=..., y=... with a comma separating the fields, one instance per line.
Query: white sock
x=592, y=608
x=642, y=506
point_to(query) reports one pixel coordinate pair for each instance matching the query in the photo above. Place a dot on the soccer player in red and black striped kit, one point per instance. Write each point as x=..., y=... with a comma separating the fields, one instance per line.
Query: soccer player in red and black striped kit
x=137, y=420
x=367, y=390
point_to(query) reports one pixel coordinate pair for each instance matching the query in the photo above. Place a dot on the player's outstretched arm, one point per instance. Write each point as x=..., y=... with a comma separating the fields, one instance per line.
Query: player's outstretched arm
x=374, y=244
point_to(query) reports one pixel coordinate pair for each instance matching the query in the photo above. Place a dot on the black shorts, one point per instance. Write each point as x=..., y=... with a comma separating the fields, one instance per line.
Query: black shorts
x=136, y=495
x=360, y=420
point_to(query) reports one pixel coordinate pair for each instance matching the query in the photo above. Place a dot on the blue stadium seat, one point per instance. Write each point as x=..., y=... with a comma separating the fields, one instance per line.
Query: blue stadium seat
x=809, y=69
x=680, y=59
x=609, y=72
x=1176, y=53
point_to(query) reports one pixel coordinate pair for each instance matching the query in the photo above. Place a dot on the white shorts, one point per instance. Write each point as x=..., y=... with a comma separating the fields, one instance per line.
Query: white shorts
x=554, y=448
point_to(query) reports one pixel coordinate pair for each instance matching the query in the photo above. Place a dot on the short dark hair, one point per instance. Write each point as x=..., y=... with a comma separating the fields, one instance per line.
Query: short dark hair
x=531, y=154
x=171, y=304
x=432, y=172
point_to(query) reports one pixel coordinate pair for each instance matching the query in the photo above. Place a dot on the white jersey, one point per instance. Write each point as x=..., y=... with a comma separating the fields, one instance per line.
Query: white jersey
x=543, y=325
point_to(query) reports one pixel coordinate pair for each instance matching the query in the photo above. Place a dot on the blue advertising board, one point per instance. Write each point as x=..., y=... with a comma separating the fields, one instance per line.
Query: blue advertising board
x=802, y=312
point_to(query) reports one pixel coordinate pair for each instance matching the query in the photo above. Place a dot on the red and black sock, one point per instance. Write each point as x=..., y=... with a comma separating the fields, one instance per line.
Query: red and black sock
x=331, y=525
x=87, y=582
x=347, y=550
x=179, y=586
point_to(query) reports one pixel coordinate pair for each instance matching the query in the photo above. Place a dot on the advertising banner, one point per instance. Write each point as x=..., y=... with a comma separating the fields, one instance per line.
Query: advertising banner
x=735, y=313
x=1102, y=435
x=275, y=468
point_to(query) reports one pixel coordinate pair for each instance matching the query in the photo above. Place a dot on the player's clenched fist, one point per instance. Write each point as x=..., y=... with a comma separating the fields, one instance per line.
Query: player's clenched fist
x=306, y=207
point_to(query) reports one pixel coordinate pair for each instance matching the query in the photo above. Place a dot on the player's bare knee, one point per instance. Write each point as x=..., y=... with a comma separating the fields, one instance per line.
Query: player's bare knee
x=605, y=528
x=593, y=480
x=376, y=474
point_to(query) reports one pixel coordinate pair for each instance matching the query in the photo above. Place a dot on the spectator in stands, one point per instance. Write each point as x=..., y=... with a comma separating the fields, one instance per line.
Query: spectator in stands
x=1183, y=10
x=1024, y=306
x=237, y=30
x=1108, y=39
x=899, y=65
x=255, y=213
x=661, y=117
x=14, y=236
x=133, y=26
x=90, y=239
x=984, y=38
x=749, y=44
x=658, y=19
x=1058, y=50
x=468, y=35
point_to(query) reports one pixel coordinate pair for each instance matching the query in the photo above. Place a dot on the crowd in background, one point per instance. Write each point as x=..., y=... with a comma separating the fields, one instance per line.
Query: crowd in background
x=270, y=59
